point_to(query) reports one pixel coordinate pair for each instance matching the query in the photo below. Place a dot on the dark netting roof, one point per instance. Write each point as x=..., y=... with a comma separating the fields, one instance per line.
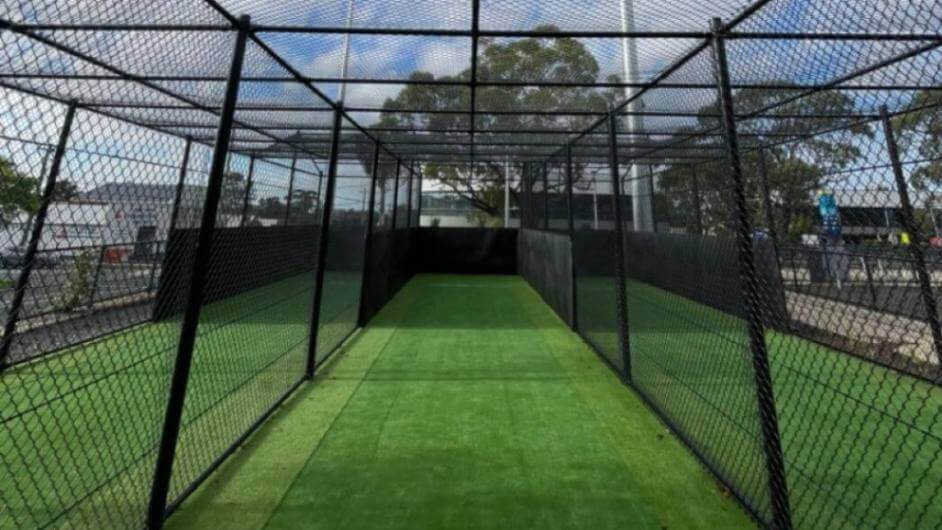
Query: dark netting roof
x=425, y=77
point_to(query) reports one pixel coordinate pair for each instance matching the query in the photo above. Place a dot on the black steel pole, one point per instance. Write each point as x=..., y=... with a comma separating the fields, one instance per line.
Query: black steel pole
x=175, y=209
x=418, y=207
x=773, y=234
x=181, y=372
x=653, y=199
x=32, y=248
x=767, y=206
x=181, y=186
x=545, y=197
x=528, y=180
x=571, y=223
x=778, y=491
x=249, y=182
x=320, y=187
x=624, y=338
x=395, y=204
x=697, y=212
x=294, y=165
x=409, y=195
x=367, y=240
x=322, y=243
x=915, y=240
x=97, y=276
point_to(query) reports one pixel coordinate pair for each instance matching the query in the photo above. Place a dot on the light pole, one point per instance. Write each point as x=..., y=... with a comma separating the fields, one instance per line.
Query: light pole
x=641, y=190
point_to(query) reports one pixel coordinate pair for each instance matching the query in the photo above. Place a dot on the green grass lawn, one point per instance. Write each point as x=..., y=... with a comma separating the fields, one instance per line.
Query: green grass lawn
x=78, y=430
x=862, y=443
x=466, y=403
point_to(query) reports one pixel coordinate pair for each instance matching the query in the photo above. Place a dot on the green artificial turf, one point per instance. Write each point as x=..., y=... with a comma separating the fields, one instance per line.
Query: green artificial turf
x=862, y=443
x=466, y=403
x=79, y=429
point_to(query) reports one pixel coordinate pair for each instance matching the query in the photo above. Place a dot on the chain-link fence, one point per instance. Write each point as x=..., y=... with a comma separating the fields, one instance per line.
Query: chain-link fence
x=739, y=216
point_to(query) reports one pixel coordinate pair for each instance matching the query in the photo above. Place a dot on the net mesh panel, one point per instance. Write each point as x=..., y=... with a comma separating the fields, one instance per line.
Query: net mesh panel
x=251, y=345
x=402, y=197
x=689, y=340
x=593, y=243
x=845, y=242
x=345, y=245
x=544, y=260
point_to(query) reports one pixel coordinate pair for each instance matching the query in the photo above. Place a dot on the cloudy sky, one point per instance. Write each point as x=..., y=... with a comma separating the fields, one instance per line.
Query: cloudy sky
x=396, y=57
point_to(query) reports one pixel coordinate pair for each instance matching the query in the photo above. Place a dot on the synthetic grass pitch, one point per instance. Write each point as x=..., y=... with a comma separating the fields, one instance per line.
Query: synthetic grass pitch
x=466, y=403
x=79, y=429
x=862, y=443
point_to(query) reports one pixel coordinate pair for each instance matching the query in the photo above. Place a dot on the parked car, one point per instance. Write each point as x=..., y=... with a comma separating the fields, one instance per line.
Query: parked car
x=14, y=257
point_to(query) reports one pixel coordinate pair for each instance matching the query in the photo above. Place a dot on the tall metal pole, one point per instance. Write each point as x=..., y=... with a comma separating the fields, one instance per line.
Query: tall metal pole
x=641, y=198
x=294, y=165
x=345, y=64
x=624, y=339
x=249, y=182
x=778, y=491
x=395, y=206
x=916, y=238
x=368, y=244
x=181, y=372
x=336, y=130
x=32, y=247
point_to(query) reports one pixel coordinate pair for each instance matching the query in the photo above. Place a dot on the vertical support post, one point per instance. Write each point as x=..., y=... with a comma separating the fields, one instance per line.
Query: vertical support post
x=96, y=277
x=32, y=247
x=320, y=187
x=773, y=233
x=697, y=210
x=175, y=209
x=294, y=165
x=409, y=195
x=322, y=242
x=418, y=211
x=653, y=203
x=249, y=182
x=395, y=208
x=367, y=253
x=767, y=206
x=546, y=215
x=870, y=286
x=507, y=193
x=624, y=338
x=781, y=512
x=181, y=185
x=24, y=236
x=915, y=235
x=571, y=223
x=181, y=371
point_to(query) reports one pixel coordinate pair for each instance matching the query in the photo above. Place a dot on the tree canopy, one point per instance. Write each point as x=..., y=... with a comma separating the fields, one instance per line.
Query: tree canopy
x=545, y=59
x=795, y=168
x=18, y=193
